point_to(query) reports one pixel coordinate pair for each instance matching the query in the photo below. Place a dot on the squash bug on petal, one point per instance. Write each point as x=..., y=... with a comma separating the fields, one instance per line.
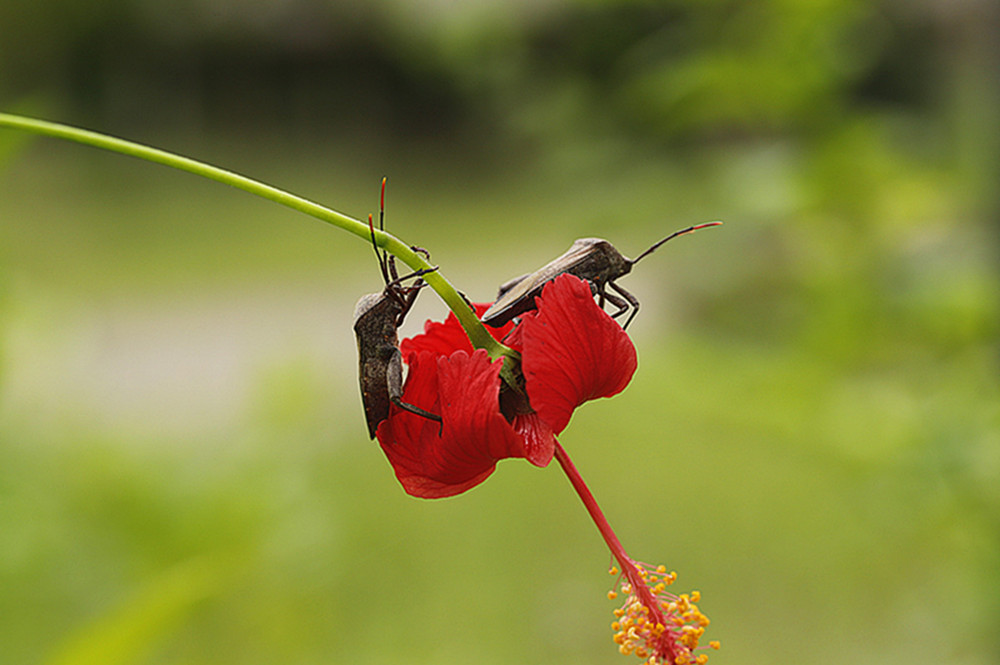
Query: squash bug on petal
x=591, y=259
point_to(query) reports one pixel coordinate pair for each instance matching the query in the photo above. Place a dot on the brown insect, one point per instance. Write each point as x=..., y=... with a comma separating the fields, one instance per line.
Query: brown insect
x=591, y=259
x=377, y=316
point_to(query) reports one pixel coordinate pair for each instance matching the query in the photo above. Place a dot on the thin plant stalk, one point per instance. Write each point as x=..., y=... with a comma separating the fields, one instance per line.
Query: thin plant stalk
x=477, y=333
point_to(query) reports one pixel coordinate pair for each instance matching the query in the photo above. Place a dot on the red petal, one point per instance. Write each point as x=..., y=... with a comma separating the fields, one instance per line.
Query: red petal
x=439, y=338
x=474, y=436
x=539, y=440
x=404, y=435
x=470, y=389
x=572, y=351
x=444, y=338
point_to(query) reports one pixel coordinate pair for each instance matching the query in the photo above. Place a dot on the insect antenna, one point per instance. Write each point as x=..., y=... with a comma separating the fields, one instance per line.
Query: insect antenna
x=690, y=229
x=381, y=207
x=383, y=257
x=382, y=260
x=394, y=289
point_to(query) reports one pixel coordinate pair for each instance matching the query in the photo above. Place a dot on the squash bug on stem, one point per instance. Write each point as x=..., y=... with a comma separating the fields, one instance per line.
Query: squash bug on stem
x=377, y=316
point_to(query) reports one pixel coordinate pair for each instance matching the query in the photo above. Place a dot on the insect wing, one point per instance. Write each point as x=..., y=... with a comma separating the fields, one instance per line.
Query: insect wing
x=517, y=297
x=371, y=314
x=509, y=284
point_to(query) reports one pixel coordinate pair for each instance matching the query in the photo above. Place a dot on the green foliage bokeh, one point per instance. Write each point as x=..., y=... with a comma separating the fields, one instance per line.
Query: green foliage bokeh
x=812, y=438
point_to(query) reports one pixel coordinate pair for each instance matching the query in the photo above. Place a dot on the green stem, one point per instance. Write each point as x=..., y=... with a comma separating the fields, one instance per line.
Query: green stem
x=480, y=337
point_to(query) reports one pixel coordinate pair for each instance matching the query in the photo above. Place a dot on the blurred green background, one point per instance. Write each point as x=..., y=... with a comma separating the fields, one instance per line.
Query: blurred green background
x=812, y=438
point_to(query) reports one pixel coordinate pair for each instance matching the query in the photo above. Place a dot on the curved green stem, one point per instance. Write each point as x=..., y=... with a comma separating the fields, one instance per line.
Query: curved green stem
x=478, y=334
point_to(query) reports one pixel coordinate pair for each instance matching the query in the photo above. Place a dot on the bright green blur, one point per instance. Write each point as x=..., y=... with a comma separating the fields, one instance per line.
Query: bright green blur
x=812, y=438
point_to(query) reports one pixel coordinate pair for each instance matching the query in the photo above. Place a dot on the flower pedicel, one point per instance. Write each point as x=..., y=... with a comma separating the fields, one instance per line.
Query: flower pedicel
x=571, y=352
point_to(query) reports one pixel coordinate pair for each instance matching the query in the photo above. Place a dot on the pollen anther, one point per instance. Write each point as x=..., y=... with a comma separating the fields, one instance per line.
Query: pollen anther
x=659, y=627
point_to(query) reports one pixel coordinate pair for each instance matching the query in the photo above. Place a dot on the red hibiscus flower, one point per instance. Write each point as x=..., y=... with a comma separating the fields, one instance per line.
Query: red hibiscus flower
x=571, y=352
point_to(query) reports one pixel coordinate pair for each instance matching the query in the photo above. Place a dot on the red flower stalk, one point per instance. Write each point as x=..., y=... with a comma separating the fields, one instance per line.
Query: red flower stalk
x=652, y=624
x=571, y=352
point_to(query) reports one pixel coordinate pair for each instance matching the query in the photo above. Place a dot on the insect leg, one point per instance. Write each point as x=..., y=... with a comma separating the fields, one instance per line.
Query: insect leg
x=465, y=298
x=622, y=305
x=599, y=288
x=382, y=258
x=415, y=273
x=632, y=300
x=405, y=296
x=394, y=381
x=391, y=261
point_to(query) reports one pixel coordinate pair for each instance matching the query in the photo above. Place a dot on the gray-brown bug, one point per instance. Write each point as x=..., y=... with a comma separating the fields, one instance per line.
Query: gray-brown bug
x=377, y=316
x=591, y=259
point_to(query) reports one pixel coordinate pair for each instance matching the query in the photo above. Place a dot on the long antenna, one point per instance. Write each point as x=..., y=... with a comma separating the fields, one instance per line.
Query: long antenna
x=383, y=258
x=690, y=229
x=381, y=208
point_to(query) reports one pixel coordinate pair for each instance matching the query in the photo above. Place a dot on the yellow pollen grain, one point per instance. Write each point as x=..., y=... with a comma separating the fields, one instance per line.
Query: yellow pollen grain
x=695, y=596
x=661, y=569
x=715, y=644
x=612, y=595
x=701, y=660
